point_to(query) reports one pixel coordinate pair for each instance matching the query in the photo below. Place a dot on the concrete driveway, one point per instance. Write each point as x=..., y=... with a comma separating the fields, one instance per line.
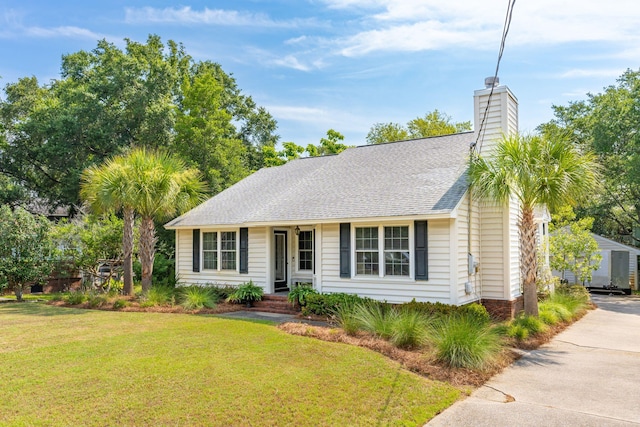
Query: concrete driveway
x=588, y=375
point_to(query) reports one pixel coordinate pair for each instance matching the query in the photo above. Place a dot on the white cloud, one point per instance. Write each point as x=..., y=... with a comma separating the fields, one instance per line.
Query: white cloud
x=206, y=16
x=66, y=31
x=320, y=118
x=414, y=25
x=291, y=61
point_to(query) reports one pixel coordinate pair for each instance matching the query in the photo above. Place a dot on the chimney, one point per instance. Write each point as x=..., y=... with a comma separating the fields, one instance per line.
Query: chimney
x=501, y=117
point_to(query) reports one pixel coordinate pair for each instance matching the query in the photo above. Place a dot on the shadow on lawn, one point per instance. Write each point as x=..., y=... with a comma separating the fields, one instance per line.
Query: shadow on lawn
x=38, y=309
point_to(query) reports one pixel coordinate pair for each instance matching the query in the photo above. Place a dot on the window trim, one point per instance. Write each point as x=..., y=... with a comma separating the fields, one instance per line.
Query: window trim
x=219, y=251
x=381, y=251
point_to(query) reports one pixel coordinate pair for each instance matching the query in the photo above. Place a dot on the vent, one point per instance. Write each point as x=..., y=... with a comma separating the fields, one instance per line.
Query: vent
x=490, y=82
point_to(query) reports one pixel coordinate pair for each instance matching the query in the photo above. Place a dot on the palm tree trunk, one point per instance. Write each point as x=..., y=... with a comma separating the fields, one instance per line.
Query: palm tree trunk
x=127, y=248
x=147, y=251
x=529, y=262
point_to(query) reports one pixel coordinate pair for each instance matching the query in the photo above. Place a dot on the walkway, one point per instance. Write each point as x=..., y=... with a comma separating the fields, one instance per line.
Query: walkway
x=588, y=375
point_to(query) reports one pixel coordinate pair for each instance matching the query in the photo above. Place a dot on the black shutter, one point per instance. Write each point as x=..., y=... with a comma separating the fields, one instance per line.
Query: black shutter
x=421, y=255
x=313, y=246
x=196, y=250
x=244, y=250
x=345, y=250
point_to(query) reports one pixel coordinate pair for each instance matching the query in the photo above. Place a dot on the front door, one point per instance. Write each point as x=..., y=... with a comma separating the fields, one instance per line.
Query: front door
x=280, y=255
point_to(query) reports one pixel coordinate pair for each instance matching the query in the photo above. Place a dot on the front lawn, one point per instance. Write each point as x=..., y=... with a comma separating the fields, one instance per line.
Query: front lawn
x=61, y=366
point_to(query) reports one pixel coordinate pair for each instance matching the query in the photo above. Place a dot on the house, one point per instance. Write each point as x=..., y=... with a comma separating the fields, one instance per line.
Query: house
x=392, y=222
x=618, y=267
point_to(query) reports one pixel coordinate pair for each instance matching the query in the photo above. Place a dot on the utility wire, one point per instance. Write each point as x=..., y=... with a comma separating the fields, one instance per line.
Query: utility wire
x=505, y=31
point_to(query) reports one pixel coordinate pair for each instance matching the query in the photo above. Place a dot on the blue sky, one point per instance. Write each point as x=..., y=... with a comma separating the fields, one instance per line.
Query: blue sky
x=347, y=64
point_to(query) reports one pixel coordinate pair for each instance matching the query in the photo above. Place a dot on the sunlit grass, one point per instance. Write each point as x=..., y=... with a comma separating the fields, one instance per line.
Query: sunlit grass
x=61, y=366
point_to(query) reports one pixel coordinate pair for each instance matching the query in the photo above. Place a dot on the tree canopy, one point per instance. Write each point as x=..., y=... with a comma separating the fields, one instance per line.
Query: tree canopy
x=608, y=123
x=433, y=123
x=151, y=95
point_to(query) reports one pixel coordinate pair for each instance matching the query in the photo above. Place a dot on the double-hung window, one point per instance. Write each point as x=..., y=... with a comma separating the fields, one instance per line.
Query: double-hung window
x=219, y=246
x=396, y=251
x=305, y=250
x=392, y=249
x=367, y=254
x=210, y=251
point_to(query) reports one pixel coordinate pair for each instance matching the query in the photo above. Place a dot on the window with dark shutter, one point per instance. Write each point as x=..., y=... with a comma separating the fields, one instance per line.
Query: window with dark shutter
x=421, y=250
x=244, y=250
x=196, y=250
x=345, y=250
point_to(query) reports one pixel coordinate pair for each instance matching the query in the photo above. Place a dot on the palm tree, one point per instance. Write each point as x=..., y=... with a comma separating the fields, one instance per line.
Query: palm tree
x=151, y=184
x=162, y=187
x=535, y=171
x=106, y=188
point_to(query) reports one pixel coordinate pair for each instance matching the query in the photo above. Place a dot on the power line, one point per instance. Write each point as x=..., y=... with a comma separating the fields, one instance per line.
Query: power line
x=505, y=31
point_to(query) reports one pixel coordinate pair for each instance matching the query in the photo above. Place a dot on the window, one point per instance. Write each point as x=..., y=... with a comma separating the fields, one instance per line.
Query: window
x=305, y=250
x=228, y=250
x=210, y=251
x=219, y=246
x=367, y=251
x=396, y=251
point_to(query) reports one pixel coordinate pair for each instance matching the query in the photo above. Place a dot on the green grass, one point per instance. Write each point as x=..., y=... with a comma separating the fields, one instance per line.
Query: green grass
x=32, y=297
x=62, y=366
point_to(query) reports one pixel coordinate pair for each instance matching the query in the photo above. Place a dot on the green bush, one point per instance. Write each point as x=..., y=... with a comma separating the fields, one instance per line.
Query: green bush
x=572, y=299
x=196, y=297
x=577, y=292
x=531, y=323
x=246, y=293
x=460, y=341
x=57, y=297
x=158, y=295
x=479, y=311
x=222, y=292
x=298, y=295
x=518, y=332
x=96, y=301
x=409, y=329
x=549, y=317
x=376, y=318
x=347, y=320
x=120, y=303
x=561, y=312
x=75, y=298
x=329, y=304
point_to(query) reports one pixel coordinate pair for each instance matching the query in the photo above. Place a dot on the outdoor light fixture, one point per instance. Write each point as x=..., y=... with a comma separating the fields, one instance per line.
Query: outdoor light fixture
x=297, y=230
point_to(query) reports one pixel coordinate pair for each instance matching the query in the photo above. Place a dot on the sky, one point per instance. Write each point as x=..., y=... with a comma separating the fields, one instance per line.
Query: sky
x=348, y=64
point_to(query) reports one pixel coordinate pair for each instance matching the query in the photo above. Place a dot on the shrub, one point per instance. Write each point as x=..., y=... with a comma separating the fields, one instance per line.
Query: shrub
x=246, y=293
x=96, y=301
x=549, y=317
x=57, y=297
x=158, y=295
x=222, y=292
x=347, y=320
x=376, y=318
x=561, y=312
x=518, y=332
x=329, y=304
x=298, y=294
x=479, y=311
x=75, y=298
x=409, y=329
x=573, y=299
x=460, y=341
x=120, y=303
x=196, y=297
x=430, y=308
x=531, y=323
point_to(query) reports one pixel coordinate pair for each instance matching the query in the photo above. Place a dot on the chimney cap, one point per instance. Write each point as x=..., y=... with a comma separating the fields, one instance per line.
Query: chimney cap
x=490, y=82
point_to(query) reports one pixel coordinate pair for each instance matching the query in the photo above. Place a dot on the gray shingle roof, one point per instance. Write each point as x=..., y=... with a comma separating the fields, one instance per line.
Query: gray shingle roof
x=416, y=177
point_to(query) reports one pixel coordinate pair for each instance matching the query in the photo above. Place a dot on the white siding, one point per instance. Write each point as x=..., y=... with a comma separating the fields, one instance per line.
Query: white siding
x=257, y=262
x=394, y=290
x=464, y=240
x=492, y=251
